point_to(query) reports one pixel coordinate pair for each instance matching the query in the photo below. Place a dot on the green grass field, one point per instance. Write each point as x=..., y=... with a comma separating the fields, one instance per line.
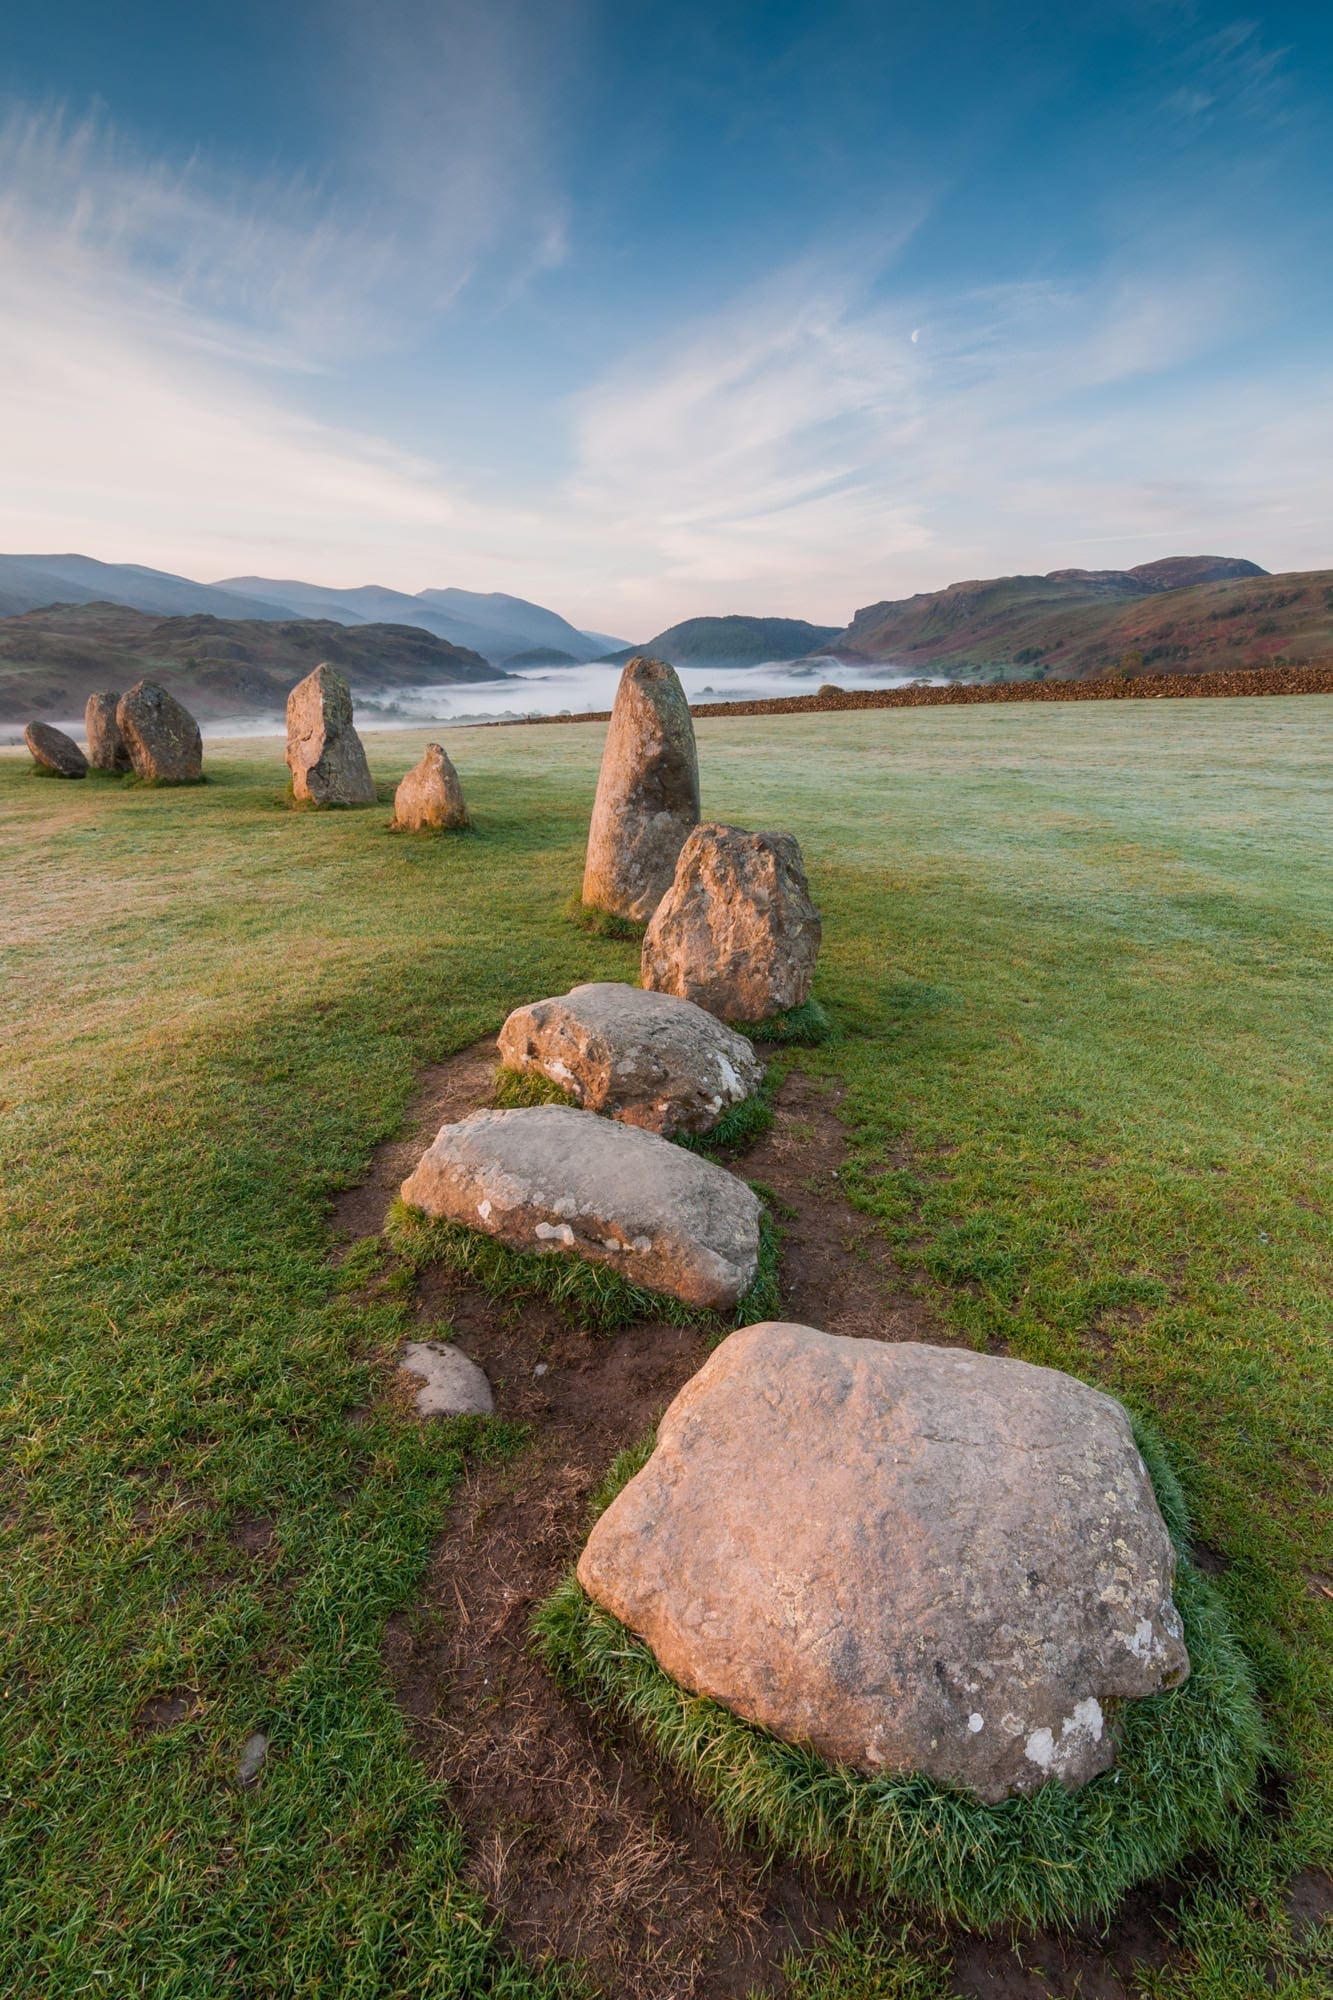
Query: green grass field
x=1080, y=959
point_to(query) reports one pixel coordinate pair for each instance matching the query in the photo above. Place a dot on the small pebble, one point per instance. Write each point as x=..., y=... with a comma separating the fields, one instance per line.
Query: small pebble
x=253, y=1752
x=541, y=1368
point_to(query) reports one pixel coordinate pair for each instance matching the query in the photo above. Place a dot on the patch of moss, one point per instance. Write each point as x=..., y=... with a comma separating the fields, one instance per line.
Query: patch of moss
x=1186, y=1768
x=602, y=923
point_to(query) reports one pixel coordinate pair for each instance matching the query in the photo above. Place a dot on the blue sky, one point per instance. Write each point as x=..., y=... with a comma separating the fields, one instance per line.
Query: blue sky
x=652, y=309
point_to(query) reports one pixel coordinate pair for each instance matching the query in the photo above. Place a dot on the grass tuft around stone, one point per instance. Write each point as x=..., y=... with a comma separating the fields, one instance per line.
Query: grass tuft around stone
x=1186, y=1769
x=599, y=1297
x=808, y=1026
x=523, y=1089
x=602, y=923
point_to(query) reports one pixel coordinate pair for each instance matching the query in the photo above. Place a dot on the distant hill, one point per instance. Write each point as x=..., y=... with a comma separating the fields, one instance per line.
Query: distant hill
x=732, y=642
x=52, y=660
x=490, y=623
x=27, y=583
x=1074, y=624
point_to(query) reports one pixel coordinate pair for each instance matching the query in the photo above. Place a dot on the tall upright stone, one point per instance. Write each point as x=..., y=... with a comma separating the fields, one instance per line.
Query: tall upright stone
x=324, y=753
x=55, y=752
x=161, y=736
x=647, y=793
x=736, y=932
x=106, y=745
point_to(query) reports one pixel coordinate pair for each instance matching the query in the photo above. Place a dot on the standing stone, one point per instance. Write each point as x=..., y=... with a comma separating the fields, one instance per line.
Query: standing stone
x=430, y=798
x=324, y=753
x=647, y=1059
x=560, y=1181
x=647, y=793
x=909, y=1558
x=161, y=736
x=55, y=751
x=106, y=745
x=736, y=932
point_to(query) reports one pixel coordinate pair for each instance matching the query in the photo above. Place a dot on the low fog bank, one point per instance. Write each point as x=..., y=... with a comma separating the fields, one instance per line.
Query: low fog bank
x=547, y=691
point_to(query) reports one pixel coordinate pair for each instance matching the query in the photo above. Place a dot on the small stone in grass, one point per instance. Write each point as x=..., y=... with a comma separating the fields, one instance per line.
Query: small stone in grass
x=454, y=1386
x=253, y=1752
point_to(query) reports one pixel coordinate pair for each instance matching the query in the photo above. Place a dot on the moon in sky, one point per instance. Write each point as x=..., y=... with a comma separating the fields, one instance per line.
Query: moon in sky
x=916, y=335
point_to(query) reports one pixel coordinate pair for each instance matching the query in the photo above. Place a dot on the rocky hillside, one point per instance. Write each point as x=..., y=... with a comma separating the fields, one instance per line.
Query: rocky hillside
x=1078, y=624
x=732, y=642
x=52, y=660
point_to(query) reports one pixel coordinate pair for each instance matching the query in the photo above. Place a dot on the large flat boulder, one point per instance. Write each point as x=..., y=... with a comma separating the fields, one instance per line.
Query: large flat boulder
x=648, y=1059
x=161, y=736
x=560, y=1181
x=106, y=745
x=736, y=932
x=324, y=753
x=909, y=1558
x=430, y=798
x=647, y=793
x=54, y=751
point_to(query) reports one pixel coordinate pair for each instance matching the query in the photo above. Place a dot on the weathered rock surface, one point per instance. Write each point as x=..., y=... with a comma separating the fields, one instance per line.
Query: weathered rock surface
x=106, y=745
x=453, y=1385
x=55, y=751
x=910, y=1558
x=160, y=735
x=555, y=1179
x=647, y=793
x=324, y=753
x=736, y=932
x=648, y=1059
x=430, y=798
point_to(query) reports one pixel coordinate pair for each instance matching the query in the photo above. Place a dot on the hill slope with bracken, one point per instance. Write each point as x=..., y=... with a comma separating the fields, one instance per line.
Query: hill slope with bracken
x=1075, y=624
x=52, y=660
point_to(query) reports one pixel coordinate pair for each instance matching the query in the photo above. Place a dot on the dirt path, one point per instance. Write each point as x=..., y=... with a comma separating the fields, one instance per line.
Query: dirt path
x=587, y=1849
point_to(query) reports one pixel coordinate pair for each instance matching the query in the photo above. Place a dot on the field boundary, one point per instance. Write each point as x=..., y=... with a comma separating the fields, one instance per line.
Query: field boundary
x=1315, y=678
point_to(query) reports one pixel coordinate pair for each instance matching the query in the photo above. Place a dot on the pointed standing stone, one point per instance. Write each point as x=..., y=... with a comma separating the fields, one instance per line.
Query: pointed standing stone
x=161, y=736
x=55, y=751
x=106, y=745
x=430, y=798
x=647, y=793
x=324, y=752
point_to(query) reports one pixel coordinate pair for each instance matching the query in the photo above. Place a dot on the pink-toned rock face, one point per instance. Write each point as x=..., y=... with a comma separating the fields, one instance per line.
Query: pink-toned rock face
x=55, y=751
x=161, y=736
x=324, y=753
x=909, y=1558
x=647, y=1059
x=564, y=1183
x=736, y=932
x=430, y=798
x=647, y=793
x=106, y=745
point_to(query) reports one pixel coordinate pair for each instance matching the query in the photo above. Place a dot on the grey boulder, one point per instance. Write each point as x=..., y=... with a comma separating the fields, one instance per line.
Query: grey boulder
x=648, y=1059
x=555, y=1180
x=736, y=932
x=909, y=1558
x=452, y=1385
x=647, y=793
x=106, y=745
x=324, y=753
x=430, y=798
x=54, y=751
x=160, y=735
